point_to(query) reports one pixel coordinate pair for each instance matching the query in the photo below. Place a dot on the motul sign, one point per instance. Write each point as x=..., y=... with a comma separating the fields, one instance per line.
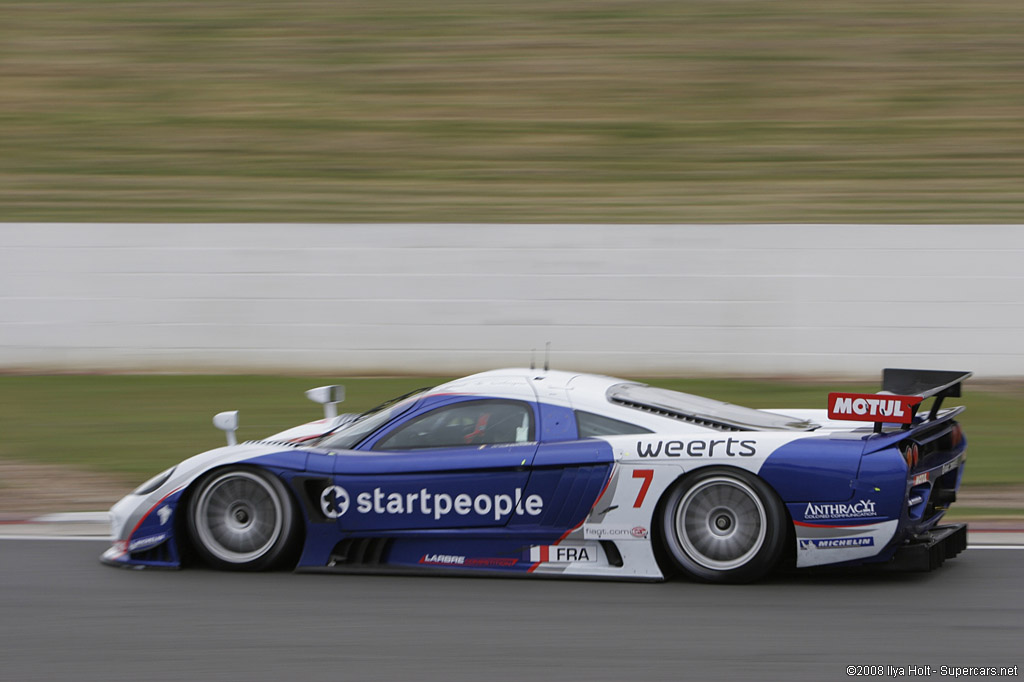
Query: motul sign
x=872, y=407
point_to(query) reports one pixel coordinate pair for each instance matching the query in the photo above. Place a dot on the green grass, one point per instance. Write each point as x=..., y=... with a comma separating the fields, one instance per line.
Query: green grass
x=137, y=425
x=134, y=426
x=540, y=110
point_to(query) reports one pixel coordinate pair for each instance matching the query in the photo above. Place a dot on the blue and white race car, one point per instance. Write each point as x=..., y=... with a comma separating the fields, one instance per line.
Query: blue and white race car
x=523, y=471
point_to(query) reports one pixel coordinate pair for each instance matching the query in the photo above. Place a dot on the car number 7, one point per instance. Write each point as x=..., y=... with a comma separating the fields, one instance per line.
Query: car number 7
x=648, y=476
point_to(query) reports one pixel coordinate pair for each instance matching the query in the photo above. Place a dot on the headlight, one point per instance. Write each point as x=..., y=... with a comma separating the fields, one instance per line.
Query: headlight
x=154, y=483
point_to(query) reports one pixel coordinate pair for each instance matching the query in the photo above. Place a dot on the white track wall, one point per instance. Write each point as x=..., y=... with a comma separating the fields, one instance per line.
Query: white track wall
x=823, y=300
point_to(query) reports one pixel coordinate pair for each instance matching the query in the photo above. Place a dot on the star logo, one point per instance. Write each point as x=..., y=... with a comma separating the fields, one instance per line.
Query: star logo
x=334, y=501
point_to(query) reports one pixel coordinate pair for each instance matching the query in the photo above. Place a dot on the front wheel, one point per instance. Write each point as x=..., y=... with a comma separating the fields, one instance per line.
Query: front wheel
x=242, y=519
x=724, y=526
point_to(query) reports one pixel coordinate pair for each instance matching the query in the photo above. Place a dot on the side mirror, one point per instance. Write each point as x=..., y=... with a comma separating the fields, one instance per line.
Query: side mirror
x=329, y=397
x=228, y=423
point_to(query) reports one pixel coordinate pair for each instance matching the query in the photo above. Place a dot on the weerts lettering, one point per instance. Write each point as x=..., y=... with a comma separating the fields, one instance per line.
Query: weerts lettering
x=730, y=447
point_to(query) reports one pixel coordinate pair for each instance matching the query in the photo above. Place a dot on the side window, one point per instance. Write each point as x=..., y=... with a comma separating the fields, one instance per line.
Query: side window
x=474, y=422
x=589, y=425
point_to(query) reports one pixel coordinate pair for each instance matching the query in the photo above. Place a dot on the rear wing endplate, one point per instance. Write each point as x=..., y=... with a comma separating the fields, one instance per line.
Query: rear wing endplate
x=926, y=383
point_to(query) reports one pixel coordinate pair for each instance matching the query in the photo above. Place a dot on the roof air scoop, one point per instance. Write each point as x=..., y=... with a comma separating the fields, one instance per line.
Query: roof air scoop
x=704, y=411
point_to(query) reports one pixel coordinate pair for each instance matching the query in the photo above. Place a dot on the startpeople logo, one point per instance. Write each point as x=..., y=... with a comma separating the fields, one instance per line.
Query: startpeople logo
x=335, y=501
x=864, y=508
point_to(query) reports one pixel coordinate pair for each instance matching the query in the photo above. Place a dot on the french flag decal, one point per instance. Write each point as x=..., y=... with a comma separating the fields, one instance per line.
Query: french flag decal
x=541, y=553
x=562, y=554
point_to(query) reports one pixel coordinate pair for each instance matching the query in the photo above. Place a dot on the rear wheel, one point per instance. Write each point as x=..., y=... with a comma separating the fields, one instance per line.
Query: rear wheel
x=242, y=519
x=724, y=526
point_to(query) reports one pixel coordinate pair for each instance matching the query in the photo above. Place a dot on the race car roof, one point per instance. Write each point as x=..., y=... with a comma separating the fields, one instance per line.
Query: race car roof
x=591, y=390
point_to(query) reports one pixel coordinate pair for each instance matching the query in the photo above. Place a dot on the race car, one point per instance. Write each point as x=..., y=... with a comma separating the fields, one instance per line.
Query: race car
x=555, y=473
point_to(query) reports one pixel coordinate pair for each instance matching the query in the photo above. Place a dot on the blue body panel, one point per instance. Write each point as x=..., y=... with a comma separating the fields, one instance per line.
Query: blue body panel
x=153, y=541
x=472, y=507
x=816, y=469
x=877, y=494
x=882, y=489
x=556, y=424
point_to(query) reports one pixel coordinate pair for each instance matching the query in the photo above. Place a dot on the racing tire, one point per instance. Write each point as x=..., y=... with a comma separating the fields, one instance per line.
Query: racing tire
x=242, y=519
x=724, y=526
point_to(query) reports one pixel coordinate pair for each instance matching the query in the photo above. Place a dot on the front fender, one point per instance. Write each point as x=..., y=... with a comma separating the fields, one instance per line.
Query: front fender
x=145, y=528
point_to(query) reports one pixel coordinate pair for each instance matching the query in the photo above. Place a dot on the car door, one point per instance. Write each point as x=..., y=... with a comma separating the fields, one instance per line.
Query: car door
x=570, y=472
x=464, y=463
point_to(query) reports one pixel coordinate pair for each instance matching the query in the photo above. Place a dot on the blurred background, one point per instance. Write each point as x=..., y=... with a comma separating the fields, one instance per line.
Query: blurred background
x=697, y=191
x=625, y=111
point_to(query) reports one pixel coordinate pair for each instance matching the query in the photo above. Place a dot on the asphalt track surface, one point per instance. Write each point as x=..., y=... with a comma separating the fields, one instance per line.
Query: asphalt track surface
x=65, y=616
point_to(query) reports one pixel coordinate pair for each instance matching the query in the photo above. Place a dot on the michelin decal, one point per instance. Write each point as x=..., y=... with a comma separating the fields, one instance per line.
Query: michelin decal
x=836, y=543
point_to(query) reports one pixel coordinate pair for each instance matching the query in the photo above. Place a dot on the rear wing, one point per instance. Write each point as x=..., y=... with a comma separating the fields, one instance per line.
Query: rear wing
x=903, y=391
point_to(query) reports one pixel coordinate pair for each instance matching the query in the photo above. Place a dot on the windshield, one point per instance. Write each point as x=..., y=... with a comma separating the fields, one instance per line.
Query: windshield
x=349, y=435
